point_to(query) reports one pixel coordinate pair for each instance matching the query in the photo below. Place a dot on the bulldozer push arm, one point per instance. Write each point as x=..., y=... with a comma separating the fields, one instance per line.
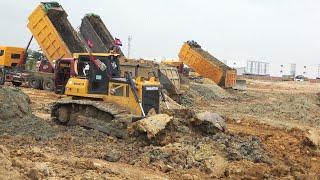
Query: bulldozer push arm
x=134, y=91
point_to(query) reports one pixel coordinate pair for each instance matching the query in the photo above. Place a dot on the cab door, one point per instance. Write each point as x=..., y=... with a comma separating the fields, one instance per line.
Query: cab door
x=98, y=80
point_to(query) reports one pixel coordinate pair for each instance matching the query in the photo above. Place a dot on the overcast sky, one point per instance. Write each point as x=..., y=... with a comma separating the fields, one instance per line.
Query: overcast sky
x=276, y=31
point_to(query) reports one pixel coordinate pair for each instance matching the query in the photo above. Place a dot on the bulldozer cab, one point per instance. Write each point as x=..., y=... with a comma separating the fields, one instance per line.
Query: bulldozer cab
x=98, y=79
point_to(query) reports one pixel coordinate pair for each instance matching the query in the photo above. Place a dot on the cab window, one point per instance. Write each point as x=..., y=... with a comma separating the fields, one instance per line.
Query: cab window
x=1, y=52
x=15, y=56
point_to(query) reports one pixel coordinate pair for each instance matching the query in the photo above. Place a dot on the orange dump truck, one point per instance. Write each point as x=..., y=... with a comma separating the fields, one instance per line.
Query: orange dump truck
x=207, y=65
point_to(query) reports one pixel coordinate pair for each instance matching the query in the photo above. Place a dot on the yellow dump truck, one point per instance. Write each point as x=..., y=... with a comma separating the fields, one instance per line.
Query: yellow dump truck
x=10, y=56
x=55, y=35
x=207, y=65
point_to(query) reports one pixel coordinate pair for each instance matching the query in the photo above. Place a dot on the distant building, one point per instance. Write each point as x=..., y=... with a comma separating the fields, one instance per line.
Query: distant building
x=257, y=68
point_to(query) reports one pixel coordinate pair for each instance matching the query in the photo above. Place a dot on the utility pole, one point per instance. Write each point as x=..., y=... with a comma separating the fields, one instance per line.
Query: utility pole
x=129, y=45
x=305, y=70
x=318, y=71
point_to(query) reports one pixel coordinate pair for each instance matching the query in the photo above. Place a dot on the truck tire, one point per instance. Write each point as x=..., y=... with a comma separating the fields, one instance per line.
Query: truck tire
x=2, y=77
x=17, y=84
x=48, y=84
x=34, y=83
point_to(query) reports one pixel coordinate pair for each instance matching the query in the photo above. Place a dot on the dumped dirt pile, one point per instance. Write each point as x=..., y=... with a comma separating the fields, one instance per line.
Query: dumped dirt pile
x=206, y=91
x=301, y=108
x=16, y=117
x=186, y=149
x=186, y=145
x=14, y=104
x=189, y=147
x=210, y=91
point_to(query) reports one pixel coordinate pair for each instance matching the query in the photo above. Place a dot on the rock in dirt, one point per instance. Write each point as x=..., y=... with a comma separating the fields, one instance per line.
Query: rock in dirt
x=152, y=125
x=312, y=139
x=34, y=174
x=239, y=148
x=112, y=156
x=209, y=123
x=187, y=177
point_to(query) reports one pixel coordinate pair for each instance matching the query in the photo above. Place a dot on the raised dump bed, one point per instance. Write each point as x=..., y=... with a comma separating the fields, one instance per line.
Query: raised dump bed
x=55, y=35
x=92, y=28
x=207, y=65
x=170, y=79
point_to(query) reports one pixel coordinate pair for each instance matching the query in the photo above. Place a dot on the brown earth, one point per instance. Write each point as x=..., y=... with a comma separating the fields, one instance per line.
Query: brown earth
x=272, y=133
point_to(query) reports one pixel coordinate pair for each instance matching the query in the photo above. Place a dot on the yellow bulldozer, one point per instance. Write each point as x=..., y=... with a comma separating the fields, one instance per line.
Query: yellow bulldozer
x=98, y=97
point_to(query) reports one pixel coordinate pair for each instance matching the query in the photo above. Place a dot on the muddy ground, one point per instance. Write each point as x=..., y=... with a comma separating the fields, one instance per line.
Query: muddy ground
x=272, y=133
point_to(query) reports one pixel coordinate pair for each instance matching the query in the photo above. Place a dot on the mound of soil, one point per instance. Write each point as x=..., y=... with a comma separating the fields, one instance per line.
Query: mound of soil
x=206, y=91
x=16, y=116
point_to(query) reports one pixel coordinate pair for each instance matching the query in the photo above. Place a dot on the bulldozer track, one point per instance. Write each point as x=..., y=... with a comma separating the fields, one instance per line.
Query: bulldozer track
x=102, y=116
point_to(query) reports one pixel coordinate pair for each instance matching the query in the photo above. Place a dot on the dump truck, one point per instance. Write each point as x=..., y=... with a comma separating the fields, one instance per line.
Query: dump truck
x=57, y=39
x=100, y=98
x=55, y=35
x=171, y=82
x=207, y=65
x=92, y=28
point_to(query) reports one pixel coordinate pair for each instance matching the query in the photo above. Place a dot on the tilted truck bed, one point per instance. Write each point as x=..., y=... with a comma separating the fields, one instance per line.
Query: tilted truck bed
x=207, y=65
x=92, y=28
x=55, y=35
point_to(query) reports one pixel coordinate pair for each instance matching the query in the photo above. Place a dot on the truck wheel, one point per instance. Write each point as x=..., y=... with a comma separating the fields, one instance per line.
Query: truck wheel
x=2, y=77
x=17, y=84
x=34, y=83
x=48, y=84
